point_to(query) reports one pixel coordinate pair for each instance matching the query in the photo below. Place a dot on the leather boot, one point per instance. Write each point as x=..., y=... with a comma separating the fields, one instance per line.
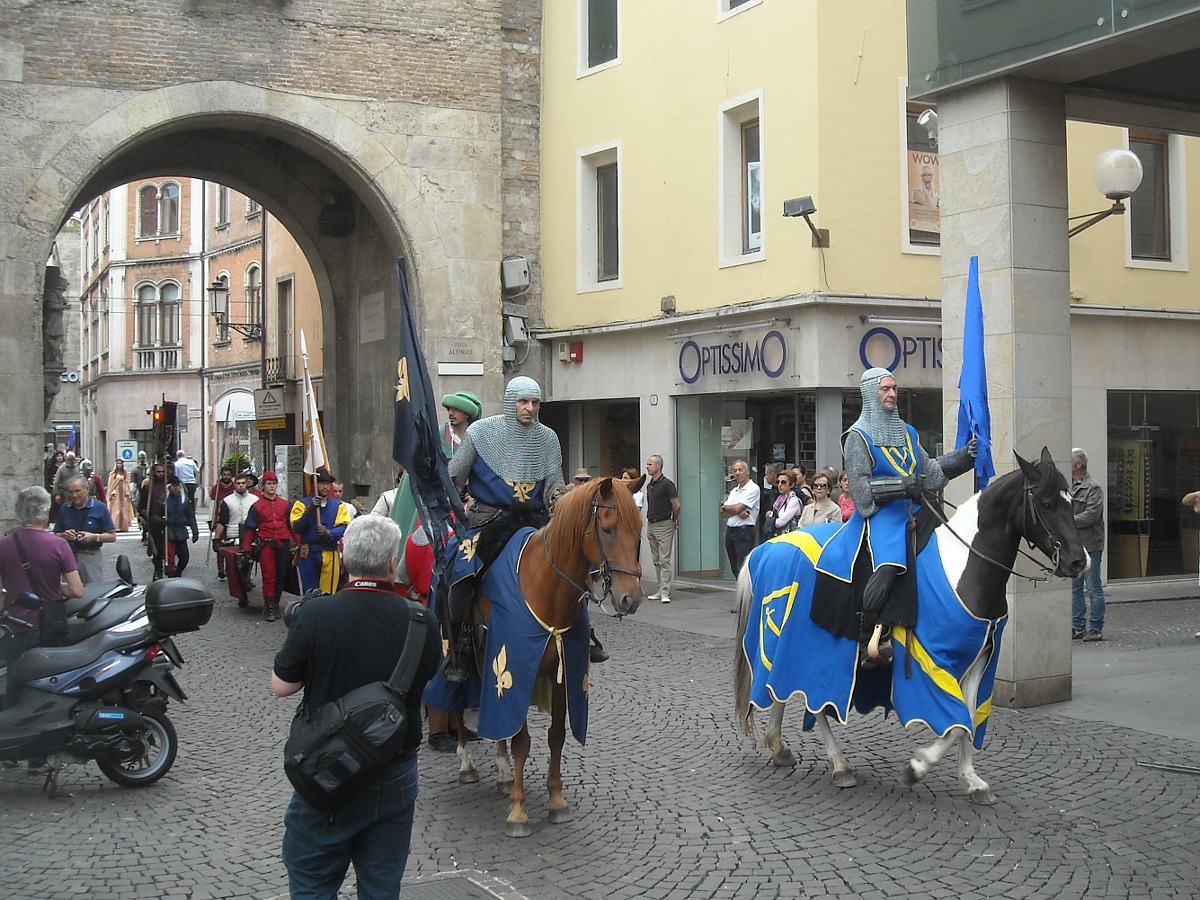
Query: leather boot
x=270, y=608
x=455, y=667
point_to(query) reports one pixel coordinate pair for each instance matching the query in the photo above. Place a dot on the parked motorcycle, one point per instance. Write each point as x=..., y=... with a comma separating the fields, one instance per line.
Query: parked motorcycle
x=103, y=695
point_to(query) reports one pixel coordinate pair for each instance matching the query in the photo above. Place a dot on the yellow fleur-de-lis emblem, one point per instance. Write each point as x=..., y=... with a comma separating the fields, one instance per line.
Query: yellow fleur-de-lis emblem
x=402, y=379
x=504, y=678
x=522, y=489
x=469, y=547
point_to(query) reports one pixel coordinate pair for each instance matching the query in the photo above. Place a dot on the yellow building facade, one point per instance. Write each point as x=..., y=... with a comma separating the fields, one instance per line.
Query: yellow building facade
x=681, y=306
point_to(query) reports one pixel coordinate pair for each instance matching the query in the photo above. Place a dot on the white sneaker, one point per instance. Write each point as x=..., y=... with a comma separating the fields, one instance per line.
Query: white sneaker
x=665, y=598
x=654, y=597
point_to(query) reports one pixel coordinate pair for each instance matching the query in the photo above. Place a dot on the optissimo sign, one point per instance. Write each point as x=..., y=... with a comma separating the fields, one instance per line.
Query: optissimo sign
x=767, y=355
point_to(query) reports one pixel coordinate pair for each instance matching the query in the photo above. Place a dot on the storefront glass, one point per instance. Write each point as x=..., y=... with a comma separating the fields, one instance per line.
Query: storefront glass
x=1153, y=460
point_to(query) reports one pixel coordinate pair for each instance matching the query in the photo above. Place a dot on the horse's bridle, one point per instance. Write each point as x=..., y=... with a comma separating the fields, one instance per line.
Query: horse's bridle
x=603, y=570
x=1030, y=511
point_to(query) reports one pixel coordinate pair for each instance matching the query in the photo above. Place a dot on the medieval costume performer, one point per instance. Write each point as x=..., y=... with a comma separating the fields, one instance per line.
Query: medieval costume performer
x=270, y=537
x=319, y=522
x=120, y=497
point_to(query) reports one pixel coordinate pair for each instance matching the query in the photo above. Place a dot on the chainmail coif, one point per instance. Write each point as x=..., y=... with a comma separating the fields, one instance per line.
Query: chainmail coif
x=882, y=426
x=513, y=451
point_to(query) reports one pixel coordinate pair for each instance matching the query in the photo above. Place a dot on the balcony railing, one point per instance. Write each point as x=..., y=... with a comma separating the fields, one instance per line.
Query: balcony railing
x=156, y=359
x=281, y=369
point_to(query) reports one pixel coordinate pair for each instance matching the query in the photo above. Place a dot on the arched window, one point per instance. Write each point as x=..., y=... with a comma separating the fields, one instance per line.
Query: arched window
x=147, y=315
x=168, y=217
x=148, y=211
x=169, y=310
x=253, y=295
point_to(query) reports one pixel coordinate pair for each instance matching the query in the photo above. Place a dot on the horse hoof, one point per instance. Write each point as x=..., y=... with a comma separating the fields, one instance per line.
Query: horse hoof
x=982, y=797
x=558, y=816
x=471, y=777
x=845, y=779
x=504, y=788
x=517, y=829
x=910, y=774
x=784, y=757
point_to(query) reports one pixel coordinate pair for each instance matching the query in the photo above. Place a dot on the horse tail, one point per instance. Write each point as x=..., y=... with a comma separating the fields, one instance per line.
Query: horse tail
x=741, y=666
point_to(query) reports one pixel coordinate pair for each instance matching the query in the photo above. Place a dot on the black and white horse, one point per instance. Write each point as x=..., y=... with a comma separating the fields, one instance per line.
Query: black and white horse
x=944, y=665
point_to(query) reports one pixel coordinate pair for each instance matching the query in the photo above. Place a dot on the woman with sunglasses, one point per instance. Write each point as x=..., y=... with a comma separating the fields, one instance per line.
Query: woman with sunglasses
x=784, y=513
x=822, y=509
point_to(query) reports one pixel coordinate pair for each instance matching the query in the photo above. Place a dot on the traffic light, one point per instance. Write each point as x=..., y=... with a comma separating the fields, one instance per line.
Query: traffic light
x=169, y=411
x=156, y=420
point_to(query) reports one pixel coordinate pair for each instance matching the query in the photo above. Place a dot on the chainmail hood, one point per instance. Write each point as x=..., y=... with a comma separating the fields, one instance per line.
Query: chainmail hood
x=513, y=451
x=882, y=426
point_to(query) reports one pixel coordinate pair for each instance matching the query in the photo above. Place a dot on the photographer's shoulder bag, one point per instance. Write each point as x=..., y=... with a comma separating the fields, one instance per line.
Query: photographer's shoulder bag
x=351, y=740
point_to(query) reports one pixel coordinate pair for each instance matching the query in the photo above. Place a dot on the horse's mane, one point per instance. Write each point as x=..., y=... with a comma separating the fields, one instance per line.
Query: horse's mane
x=572, y=514
x=1051, y=480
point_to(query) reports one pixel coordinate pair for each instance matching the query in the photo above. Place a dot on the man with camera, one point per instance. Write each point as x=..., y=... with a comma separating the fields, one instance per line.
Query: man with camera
x=84, y=523
x=336, y=644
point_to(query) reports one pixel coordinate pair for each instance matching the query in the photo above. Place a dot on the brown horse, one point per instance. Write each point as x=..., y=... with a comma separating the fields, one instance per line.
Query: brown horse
x=589, y=550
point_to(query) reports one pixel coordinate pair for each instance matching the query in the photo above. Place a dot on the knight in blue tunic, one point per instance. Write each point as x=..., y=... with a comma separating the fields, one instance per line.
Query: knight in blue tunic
x=502, y=461
x=889, y=471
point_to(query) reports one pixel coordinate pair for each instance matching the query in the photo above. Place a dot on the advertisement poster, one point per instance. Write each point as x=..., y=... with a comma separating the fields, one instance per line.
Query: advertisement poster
x=924, y=197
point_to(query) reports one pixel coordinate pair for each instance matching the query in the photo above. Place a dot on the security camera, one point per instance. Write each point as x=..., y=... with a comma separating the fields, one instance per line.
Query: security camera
x=929, y=121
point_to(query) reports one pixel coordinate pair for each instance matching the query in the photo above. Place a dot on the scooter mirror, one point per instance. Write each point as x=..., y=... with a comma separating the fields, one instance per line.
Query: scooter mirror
x=124, y=572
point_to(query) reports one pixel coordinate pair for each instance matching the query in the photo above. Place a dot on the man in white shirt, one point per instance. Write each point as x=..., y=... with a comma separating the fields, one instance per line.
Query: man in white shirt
x=740, y=511
x=187, y=470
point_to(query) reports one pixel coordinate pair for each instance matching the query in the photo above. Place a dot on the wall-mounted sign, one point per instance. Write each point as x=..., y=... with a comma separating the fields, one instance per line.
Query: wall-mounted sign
x=883, y=348
x=763, y=356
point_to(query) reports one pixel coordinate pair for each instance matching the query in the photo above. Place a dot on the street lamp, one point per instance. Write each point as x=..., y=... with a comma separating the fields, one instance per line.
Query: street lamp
x=1117, y=173
x=218, y=293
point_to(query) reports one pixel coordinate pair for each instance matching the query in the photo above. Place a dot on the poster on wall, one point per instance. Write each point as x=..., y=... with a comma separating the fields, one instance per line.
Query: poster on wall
x=1128, y=477
x=737, y=437
x=924, y=197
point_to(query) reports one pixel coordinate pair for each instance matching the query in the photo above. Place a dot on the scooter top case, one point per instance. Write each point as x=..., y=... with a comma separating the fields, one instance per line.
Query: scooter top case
x=176, y=605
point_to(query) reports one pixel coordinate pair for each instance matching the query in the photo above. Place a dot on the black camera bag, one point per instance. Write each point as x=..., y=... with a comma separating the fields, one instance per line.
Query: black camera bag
x=352, y=739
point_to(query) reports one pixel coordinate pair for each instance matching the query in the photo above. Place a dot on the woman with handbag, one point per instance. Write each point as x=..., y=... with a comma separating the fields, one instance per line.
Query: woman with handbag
x=37, y=561
x=784, y=513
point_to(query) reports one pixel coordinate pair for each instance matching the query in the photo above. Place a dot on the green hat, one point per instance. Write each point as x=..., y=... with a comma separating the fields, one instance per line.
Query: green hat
x=464, y=400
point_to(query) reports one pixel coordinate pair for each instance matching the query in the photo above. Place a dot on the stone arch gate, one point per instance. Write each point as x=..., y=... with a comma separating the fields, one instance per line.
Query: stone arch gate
x=416, y=182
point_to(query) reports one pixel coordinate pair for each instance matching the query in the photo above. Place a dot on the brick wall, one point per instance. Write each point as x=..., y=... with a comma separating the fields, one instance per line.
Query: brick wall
x=440, y=52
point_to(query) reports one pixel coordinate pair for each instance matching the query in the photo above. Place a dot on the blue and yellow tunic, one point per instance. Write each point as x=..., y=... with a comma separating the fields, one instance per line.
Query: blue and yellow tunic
x=885, y=532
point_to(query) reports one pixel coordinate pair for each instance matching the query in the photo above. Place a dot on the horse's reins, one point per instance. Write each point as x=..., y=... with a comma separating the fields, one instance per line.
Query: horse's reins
x=604, y=569
x=1031, y=510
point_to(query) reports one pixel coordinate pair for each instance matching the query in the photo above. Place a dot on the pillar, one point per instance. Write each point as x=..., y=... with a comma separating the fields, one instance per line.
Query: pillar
x=1003, y=167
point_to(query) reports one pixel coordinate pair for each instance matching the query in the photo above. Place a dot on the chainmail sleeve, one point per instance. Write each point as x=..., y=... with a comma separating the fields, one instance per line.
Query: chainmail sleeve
x=461, y=462
x=858, y=462
x=939, y=471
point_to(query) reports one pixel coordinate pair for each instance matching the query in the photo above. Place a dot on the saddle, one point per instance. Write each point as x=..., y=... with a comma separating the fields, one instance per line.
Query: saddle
x=839, y=607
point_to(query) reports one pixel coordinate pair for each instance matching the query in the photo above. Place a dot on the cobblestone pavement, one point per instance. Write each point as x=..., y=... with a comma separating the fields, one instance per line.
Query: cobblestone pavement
x=670, y=800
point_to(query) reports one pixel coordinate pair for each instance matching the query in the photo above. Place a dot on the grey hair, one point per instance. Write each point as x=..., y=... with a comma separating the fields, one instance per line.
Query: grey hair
x=1078, y=456
x=369, y=544
x=657, y=458
x=73, y=479
x=33, y=506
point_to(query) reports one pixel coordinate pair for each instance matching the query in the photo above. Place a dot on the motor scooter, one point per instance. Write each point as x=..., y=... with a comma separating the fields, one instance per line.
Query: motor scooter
x=102, y=695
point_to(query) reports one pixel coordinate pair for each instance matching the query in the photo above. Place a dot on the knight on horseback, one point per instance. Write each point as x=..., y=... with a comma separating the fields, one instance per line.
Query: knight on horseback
x=506, y=463
x=889, y=471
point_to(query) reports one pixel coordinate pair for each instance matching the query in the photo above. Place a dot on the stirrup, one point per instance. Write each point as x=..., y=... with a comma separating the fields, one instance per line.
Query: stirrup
x=878, y=650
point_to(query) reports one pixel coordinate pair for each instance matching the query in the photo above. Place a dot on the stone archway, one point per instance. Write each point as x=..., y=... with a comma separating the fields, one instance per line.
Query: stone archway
x=415, y=183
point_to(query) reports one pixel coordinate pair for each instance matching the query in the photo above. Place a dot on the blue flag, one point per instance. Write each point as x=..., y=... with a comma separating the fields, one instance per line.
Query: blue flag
x=416, y=444
x=974, y=418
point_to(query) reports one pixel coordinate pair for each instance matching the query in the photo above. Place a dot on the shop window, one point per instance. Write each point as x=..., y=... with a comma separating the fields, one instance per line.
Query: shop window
x=921, y=176
x=740, y=181
x=599, y=250
x=599, y=34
